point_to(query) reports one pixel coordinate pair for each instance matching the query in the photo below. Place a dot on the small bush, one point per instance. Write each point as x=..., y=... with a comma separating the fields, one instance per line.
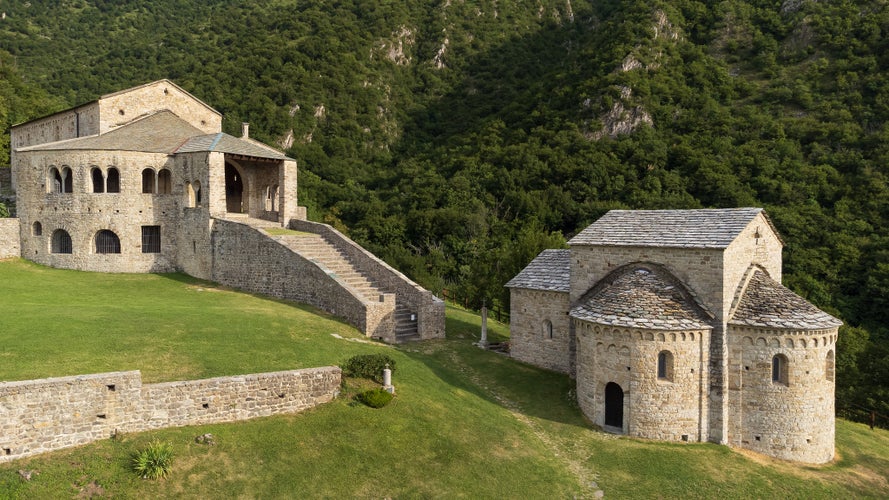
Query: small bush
x=375, y=398
x=368, y=366
x=154, y=461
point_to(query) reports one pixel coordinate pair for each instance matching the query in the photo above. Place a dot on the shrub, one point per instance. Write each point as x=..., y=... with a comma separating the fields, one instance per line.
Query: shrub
x=154, y=461
x=375, y=398
x=368, y=366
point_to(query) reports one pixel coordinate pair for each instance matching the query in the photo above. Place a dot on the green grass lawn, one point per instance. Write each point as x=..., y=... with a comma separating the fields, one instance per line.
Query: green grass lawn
x=466, y=423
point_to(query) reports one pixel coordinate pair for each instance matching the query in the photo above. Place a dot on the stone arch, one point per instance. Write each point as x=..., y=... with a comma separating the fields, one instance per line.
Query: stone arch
x=802, y=342
x=107, y=242
x=761, y=342
x=614, y=405
x=36, y=229
x=547, y=329
x=198, y=193
x=98, y=179
x=649, y=336
x=61, y=242
x=660, y=337
x=235, y=189
x=149, y=181
x=780, y=369
x=164, y=181
x=665, y=366
x=774, y=342
x=67, y=179
x=692, y=335
x=789, y=343
x=815, y=342
x=672, y=337
x=747, y=340
x=112, y=180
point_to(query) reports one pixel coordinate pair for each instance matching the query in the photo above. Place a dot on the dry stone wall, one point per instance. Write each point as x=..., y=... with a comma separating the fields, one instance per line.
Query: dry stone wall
x=37, y=416
x=10, y=238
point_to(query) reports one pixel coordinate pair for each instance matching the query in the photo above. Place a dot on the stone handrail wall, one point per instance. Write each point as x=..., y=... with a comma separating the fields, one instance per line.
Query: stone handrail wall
x=38, y=416
x=430, y=309
x=248, y=259
x=10, y=239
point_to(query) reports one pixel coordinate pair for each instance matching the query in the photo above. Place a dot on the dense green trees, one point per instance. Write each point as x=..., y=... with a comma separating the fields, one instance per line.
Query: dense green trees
x=458, y=139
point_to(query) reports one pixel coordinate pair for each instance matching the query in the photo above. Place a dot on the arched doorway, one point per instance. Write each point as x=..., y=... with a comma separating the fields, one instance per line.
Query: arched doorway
x=614, y=405
x=234, y=189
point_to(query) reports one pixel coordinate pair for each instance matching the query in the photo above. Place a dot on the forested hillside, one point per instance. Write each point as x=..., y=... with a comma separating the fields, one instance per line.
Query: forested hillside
x=458, y=138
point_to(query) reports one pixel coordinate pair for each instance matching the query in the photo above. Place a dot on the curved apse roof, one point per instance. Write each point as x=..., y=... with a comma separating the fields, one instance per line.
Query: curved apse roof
x=641, y=296
x=766, y=303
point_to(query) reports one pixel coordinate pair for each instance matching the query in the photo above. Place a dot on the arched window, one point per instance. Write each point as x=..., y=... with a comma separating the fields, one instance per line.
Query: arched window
x=268, y=199
x=197, y=193
x=780, y=369
x=61, y=241
x=148, y=181
x=164, y=182
x=67, y=180
x=829, y=367
x=113, y=181
x=275, y=194
x=547, y=329
x=665, y=366
x=37, y=229
x=189, y=193
x=107, y=242
x=54, y=183
x=98, y=180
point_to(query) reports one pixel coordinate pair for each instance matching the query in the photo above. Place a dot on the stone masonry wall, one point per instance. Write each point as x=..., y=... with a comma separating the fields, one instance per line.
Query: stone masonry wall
x=430, y=309
x=529, y=338
x=123, y=107
x=792, y=420
x=9, y=238
x=672, y=409
x=245, y=258
x=37, y=416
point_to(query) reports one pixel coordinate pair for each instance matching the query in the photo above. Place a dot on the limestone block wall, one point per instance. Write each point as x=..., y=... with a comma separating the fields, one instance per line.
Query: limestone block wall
x=430, y=309
x=123, y=107
x=37, y=416
x=756, y=244
x=76, y=122
x=793, y=419
x=532, y=312
x=9, y=238
x=248, y=259
x=674, y=408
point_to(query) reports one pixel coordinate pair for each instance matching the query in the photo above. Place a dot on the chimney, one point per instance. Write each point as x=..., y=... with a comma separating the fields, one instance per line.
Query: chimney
x=245, y=130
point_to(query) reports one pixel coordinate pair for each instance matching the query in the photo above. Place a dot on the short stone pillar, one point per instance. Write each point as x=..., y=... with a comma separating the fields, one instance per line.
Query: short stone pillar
x=483, y=343
x=387, y=380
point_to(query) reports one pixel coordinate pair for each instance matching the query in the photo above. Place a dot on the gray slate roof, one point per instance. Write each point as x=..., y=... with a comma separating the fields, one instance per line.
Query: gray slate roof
x=224, y=143
x=550, y=270
x=163, y=132
x=640, y=297
x=160, y=132
x=769, y=304
x=702, y=228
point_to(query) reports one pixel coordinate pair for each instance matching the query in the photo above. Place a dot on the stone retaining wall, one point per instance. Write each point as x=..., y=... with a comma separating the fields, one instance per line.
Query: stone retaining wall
x=43, y=415
x=10, y=238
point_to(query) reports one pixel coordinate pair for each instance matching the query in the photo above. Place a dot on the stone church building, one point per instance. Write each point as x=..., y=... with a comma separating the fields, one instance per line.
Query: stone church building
x=676, y=327
x=144, y=180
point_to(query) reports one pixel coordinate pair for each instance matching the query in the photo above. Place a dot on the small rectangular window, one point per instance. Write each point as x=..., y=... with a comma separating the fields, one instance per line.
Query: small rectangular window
x=151, y=239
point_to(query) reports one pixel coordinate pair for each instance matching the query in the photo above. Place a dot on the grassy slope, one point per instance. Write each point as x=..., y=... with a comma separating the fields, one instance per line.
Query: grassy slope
x=465, y=423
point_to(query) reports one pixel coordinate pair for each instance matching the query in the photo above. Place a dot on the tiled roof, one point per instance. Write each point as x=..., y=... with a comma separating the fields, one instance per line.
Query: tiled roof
x=160, y=132
x=550, y=270
x=163, y=132
x=769, y=304
x=703, y=228
x=641, y=297
x=224, y=143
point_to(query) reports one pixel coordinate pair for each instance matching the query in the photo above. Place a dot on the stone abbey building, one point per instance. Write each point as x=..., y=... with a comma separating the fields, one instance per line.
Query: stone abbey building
x=144, y=180
x=676, y=327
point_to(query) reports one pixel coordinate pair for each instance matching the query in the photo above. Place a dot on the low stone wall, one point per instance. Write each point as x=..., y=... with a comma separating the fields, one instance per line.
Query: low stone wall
x=43, y=415
x=430, y=309
x=10, y=239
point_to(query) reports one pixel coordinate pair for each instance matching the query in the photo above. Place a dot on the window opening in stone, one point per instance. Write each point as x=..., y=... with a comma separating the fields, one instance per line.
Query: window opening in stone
x=276, y=193
x=148, y=181
x=547, y=329
x=268, y=199
x=234, y=190
x=665, y=366
x=189, y=193
x=67, y=180
x=113, y=181
x=197, y=193
x=779, y=369
x=151, y=239
x=164, y=182
x=98, y=180
x=55, y=181
x=37, y=229
x=829, y=366
x=61, y=241
x=107, y=242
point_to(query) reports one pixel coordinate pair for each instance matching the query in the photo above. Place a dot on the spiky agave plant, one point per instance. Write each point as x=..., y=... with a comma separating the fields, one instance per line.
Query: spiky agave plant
x=154, y=461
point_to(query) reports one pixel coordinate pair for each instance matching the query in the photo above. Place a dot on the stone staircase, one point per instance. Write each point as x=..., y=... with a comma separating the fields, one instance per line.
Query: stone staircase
x=335, y=262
